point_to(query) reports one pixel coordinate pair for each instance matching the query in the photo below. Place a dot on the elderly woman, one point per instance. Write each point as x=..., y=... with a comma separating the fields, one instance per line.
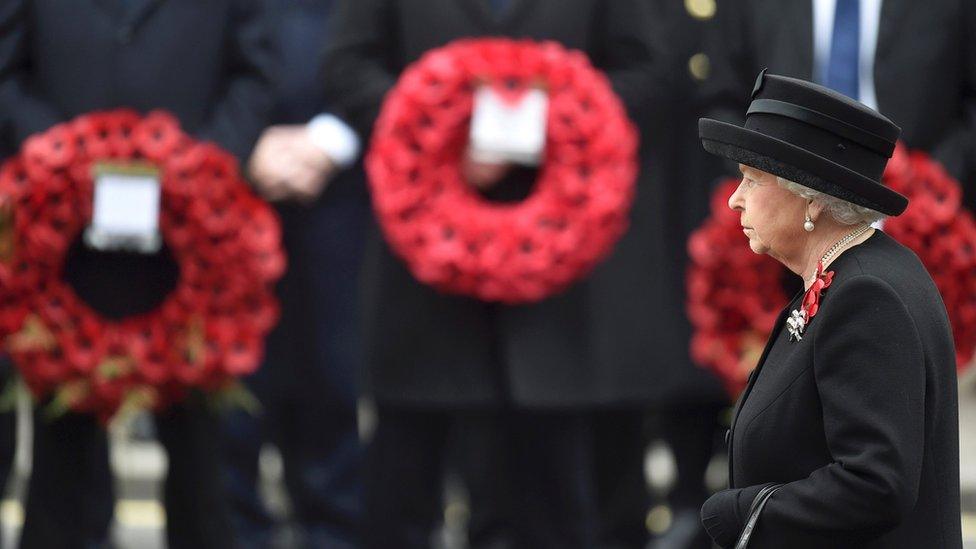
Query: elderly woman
x=847, y=433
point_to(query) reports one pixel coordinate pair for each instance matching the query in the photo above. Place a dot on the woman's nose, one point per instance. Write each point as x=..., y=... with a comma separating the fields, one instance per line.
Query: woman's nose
x=735, y=201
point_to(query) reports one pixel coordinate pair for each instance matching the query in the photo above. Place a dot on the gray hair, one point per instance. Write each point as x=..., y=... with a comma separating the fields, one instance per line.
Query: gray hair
x=844, y=212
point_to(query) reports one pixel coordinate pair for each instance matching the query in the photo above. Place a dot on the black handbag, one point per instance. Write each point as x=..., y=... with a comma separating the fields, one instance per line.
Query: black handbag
x=754, y=511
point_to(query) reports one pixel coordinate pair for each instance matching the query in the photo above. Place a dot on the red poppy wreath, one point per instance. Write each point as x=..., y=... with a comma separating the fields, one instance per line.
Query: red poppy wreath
x=452, y=238
x=734, y=295
x=225, y=241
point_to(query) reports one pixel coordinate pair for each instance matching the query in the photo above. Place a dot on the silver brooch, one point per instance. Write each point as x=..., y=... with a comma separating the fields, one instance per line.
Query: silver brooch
x=796, y=324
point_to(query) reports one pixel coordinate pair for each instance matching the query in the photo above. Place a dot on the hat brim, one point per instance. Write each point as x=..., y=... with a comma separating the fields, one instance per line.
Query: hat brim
x=780, y=158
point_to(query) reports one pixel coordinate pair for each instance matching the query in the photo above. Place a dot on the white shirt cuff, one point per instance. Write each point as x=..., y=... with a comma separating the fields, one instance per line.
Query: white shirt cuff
x=335, y=138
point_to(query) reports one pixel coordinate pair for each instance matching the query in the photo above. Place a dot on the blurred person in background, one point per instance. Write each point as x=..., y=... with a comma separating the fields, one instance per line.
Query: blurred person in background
x=307, y=385
x=685, y=408
x=514, y=387
x=915, y=62
x=207, y=63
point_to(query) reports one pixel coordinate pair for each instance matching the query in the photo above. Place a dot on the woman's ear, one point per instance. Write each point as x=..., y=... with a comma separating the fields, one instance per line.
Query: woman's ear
x=814, y=209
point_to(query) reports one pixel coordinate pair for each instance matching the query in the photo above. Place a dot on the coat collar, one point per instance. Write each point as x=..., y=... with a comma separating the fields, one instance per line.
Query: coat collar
x=773, y=335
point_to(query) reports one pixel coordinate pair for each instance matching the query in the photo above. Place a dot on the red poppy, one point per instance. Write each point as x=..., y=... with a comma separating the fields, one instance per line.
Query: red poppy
x=811, y=299
x=158, y=136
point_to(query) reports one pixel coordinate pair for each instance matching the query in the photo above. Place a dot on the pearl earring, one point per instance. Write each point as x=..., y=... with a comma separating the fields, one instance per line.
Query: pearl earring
x=808, y=224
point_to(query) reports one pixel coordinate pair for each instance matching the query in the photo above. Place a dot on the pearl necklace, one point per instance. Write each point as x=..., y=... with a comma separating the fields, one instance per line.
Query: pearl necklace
x=851, y=237
x=832, y=251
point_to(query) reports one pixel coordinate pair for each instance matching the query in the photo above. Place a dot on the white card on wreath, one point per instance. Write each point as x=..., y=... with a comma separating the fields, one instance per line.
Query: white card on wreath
x=125, y=212
x=509, y=131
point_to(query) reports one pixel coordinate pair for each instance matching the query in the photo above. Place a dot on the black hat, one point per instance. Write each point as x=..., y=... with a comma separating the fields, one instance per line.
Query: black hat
x=813, y=136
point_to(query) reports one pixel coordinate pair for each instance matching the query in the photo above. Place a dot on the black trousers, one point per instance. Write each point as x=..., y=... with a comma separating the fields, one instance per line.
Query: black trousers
x=528, y=474
x=622, y=438
x=70, y=499
x=307, y=385
x=620, y=444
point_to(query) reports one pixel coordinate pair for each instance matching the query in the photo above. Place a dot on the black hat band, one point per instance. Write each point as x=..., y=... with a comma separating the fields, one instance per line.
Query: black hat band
x=851, y=154
x=823, y=121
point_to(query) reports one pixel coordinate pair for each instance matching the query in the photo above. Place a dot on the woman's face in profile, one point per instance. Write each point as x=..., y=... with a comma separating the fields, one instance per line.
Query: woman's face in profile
x=771, y=216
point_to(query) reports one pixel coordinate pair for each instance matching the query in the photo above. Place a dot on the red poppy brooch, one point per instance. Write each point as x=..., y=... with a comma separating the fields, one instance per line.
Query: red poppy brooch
x=799, y=319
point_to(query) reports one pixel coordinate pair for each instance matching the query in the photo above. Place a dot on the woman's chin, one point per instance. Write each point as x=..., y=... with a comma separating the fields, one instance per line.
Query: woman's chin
x=757, y=247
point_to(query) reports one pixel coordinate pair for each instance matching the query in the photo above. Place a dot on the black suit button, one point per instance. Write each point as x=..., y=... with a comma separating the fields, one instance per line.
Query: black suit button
x=699, y=66
x=124, y=35
x=700, y=9
x=728, y=436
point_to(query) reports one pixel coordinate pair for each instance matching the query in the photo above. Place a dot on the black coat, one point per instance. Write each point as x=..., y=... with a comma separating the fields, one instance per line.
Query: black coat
x=206, y=62
x=859, y=419
x=680, y=172
x=924, y=68
x=606, y=340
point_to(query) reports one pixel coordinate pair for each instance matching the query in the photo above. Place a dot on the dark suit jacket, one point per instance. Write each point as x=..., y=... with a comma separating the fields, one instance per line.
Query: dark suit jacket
x=605, y=340
x=206, y=62
x=679, y=171
x=859, y=419
x=924, y=69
